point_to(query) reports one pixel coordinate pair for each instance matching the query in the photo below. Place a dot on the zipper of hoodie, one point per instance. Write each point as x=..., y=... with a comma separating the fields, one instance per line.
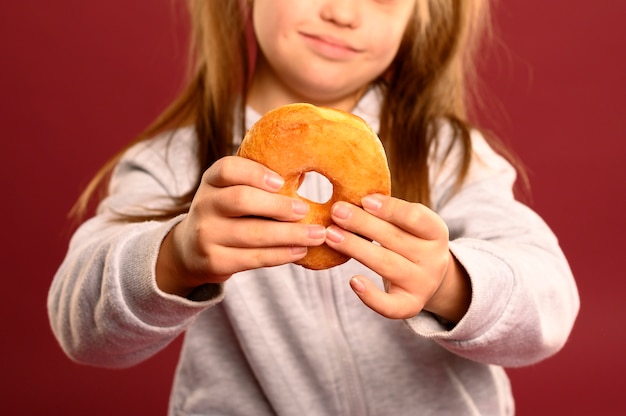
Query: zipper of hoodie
x=350, y=378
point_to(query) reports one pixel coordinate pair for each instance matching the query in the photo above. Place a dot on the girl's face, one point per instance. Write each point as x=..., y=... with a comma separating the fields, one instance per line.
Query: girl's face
x=323, y=51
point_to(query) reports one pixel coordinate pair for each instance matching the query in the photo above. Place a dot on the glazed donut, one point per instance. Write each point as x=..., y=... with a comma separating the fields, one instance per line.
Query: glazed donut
x=298, y=138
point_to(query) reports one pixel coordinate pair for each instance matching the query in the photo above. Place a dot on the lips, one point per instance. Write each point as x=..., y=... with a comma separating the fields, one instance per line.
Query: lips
x=329, y=46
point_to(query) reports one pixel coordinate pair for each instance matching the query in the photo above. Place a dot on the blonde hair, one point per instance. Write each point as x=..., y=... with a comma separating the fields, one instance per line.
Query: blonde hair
x=427, y=83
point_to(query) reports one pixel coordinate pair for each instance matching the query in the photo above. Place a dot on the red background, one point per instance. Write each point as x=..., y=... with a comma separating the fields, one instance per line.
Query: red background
x=79, y=79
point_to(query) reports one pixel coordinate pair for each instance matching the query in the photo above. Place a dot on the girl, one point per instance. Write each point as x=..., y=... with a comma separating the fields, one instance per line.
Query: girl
x=191, y=239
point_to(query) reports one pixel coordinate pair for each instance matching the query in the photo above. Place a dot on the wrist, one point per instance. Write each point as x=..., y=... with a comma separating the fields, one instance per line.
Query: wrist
x=168, y=270
x=452, y=299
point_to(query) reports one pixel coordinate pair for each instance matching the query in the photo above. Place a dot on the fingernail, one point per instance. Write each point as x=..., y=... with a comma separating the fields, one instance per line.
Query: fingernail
x=372, y=202
x=274, y=181
x=341, y=211
x=299, y=207
x=357, y=285
x=297, y=251
x=334, y=234
x=316, y=232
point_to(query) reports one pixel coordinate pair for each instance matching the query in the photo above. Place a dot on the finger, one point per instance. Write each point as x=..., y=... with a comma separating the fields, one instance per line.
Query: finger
x=383, y=261
x=395, y=305
x=260, y=233
x=402, y=273
x=234, y=170
x=416, y=219
x=225, y=261
x=405, y=228
x=356, y=220
x=239, y=201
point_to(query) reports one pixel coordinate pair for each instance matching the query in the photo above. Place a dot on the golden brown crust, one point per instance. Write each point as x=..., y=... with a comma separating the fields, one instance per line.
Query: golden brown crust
x=298, y=138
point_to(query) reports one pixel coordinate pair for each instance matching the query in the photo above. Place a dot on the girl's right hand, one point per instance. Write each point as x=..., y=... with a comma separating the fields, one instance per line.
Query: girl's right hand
x=237, y=221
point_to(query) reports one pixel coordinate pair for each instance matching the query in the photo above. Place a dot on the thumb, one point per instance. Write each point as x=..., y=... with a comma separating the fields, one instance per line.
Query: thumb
x=390, y=305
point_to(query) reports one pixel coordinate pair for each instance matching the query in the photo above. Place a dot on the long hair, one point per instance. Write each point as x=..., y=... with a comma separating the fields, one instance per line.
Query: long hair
x=431, y=83
x=426, y=84
x=219, y=67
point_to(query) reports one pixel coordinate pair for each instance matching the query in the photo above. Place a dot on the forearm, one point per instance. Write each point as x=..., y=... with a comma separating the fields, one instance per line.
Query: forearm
x=104, y=306
x=524, y=303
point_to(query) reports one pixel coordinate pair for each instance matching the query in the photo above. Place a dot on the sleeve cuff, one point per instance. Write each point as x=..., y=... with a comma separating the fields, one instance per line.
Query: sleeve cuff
x=492, y=282
x=138, y=284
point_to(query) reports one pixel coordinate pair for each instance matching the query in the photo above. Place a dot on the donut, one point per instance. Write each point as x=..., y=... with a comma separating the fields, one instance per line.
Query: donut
x=298, y=138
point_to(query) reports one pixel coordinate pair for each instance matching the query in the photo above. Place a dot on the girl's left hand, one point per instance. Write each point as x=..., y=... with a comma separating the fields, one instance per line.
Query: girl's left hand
x=413, y=257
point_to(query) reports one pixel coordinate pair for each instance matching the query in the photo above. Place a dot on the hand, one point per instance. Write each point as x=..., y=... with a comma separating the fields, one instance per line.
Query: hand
x=413, y=257
x=236, y=222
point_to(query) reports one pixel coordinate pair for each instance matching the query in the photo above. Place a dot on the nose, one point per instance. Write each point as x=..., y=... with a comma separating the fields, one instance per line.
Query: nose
x=341, y=12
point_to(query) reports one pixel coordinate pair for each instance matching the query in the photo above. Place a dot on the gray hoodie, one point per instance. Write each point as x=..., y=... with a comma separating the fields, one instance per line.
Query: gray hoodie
x=291, y=341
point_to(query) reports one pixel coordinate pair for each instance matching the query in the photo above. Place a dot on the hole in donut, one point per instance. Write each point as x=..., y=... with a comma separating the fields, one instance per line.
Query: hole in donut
x=315, y=187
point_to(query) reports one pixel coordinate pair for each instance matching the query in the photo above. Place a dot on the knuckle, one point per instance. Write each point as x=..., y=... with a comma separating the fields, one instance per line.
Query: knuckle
x=214, y=171
x=220, y=171
x=223, y=168
x=412, y=214
x=267, y=258
x=261, y=259
x=282, y=205
x=237, y=196
x=256, y=233
x=209, y=254
x=387, y=262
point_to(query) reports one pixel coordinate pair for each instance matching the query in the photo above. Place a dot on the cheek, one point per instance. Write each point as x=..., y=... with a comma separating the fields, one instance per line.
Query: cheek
x=386, y=44
x=275, y=18
x=387, y=30
x=267, y=21
x=262, y=24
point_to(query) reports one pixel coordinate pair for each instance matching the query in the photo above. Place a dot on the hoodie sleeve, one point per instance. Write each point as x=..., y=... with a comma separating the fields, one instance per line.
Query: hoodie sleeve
x=524, y=298
x=104, y=305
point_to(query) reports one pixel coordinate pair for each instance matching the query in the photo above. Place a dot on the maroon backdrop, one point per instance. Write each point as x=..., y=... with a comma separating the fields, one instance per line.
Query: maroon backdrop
x=79, y=79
